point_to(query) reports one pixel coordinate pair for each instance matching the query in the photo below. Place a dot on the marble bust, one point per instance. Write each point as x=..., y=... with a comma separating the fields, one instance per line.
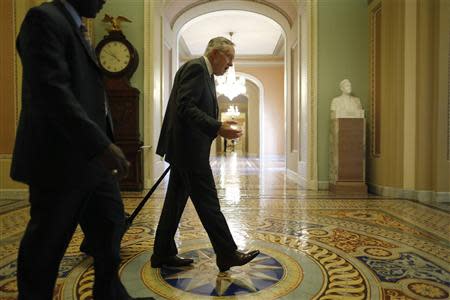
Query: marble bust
x=346, y=105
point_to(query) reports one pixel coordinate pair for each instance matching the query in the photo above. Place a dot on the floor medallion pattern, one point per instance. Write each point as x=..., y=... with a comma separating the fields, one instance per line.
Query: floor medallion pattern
x=263, y=272
x=314, y=245
x=265, y=277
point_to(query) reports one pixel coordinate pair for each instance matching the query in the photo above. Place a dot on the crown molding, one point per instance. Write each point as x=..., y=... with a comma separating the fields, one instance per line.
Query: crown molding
x=279, y=47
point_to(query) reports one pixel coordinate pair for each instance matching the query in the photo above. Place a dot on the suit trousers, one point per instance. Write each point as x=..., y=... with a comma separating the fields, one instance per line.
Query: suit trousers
x=54, y=218
x=200, y=186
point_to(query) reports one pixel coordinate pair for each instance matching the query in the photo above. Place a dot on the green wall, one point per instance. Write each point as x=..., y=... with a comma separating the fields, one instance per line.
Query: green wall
x=134, y=32
x=342, y=53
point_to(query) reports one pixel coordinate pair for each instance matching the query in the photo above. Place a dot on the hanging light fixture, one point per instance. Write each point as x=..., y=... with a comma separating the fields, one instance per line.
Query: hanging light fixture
x=233, y=111
x=228, y=85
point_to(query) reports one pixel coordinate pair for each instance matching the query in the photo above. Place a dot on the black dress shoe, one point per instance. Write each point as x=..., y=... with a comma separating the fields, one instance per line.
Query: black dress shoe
x=238, y=258
x=142, y=298
x=169, y=261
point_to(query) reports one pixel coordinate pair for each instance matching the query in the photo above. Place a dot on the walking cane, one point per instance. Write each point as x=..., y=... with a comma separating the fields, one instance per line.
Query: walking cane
x=84, y=247
x=136, y=211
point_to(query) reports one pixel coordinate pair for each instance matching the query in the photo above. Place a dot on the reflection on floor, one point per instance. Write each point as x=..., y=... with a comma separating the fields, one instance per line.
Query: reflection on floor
x=314, y=245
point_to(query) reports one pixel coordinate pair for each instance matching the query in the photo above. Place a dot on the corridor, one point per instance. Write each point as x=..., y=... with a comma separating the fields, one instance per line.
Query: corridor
x=313, y=244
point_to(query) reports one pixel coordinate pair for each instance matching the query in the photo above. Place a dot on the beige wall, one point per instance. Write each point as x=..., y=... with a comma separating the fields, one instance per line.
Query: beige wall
x=253, y=94
x=413, y=80
x=272, y=79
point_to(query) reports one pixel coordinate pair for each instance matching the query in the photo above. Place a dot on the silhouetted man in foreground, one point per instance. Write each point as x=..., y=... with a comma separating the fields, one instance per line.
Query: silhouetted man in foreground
x=64, y=151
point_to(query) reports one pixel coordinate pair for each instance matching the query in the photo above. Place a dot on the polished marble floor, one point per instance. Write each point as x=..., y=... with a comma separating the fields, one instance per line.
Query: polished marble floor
x=314, y=245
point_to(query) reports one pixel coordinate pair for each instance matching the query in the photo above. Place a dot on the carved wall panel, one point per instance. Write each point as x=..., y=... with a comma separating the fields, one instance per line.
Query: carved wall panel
x=375, y=81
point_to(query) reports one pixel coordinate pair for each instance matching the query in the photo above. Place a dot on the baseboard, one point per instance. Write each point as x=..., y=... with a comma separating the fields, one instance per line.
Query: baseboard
x=442, y=197
x=348, y=188
x=323, y=185
x=13, y=194
x=421, y=196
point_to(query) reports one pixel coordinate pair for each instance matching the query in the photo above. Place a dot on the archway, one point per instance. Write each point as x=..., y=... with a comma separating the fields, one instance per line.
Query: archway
x=253, y=113
x=196, y=14
x=164, y=32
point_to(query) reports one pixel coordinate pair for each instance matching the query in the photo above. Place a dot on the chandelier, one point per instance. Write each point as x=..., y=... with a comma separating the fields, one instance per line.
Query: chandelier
x=230, y=86
x=233, y=111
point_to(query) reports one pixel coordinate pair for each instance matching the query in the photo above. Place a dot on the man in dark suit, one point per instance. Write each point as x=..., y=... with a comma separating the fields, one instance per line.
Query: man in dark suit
x=64, y=151
x=189, y=127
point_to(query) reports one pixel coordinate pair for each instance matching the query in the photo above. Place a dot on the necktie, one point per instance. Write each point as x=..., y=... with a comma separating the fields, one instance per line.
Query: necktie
x=88, y=41
x=213, y=83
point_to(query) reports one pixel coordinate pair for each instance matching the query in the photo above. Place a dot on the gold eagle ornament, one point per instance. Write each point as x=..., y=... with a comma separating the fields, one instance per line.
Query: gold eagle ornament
x=115, y=22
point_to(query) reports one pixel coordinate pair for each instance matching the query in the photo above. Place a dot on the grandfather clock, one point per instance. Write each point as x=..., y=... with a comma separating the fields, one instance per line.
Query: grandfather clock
x=118, y=59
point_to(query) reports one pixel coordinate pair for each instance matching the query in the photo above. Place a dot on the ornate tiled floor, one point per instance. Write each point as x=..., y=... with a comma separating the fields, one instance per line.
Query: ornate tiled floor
x=314, y=245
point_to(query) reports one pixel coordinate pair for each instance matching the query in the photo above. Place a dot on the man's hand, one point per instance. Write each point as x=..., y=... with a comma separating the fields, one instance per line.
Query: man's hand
x=115, y=161
x=229, y=130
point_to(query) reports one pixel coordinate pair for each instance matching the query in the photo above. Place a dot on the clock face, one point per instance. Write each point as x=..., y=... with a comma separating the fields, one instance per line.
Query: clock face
x=114, y=56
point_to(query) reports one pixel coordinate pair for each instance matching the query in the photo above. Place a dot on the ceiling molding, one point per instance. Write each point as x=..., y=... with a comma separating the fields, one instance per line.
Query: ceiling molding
x=255, y=34
x=279, y=48
x=200, y=2
x=183, y=49
x=188, y=7
x=277, y=8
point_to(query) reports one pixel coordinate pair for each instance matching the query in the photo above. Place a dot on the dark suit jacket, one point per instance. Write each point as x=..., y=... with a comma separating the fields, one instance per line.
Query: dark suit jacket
x=62, y=122
x=190, y=123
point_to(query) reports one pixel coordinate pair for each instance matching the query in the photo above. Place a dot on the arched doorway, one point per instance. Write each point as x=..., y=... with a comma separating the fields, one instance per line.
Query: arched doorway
x=298, y=29
x=255, y=46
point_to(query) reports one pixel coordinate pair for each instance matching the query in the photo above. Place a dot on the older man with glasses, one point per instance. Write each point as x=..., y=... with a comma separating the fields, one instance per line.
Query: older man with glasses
x=190, y=125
